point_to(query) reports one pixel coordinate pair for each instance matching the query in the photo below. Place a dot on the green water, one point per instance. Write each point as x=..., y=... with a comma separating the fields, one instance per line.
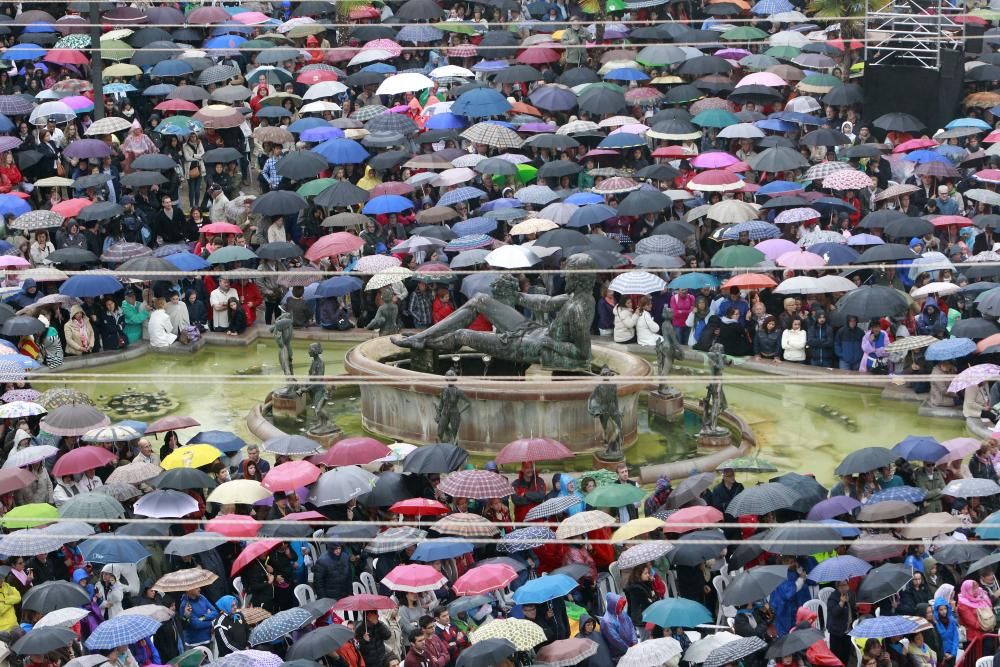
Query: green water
x=793, y=432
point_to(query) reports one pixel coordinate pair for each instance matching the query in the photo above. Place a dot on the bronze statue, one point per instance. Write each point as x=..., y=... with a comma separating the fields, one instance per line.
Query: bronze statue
x=715, y=396
x=281, y=330
x=603, y=404
x=668, y=350
x=386, y=318
x=563, y=343
x=318, y=393
x=449, y=409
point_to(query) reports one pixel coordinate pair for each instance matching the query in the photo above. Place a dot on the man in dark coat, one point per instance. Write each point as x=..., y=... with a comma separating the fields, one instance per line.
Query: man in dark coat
x=332, y=575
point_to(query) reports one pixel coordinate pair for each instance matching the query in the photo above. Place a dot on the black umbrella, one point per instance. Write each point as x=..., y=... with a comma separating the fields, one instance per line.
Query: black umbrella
x=778, y=159
x=978, y=272
x=341, y=195
x=43, y=640
x=690, y=489
x=278, y=202
x=575, y=76
x=898, y=122
x=798, y=538
x=809, y=490
x=188, y=93
x=138, y=179
x=390, y=488
x=908, y=227
x=518, y=74
x=435, y=231
x=825, y=136
x=551, y=141
x=679, y=229
x=317, y=643
x=748, y=551
x=194, y=543
x=880, y=219
x=987, y=221
x=865, y=460
x=102, y=210
x=986, y=561
x=885, y=253
x=279, y=250
x=154, y=52
x=369, y=32
x=794, y=642
x=146, y=36
x=960, y=552
x=438, y=458
x=91, y=181
x=301, y=165
x=364, y=78
x=686, y=553
x=975, y=328
x=754, y=584
x=871, y=302
x=53, y=595
x=676, y=113
x=657, y=172
x=703, y=65
x=600, y=101
x=754, y=93
x=183, y=479
x=143, y=530
x=561, y=238
x=314, y=8
x=884, y=581
x=388, y=160
x=72, y=256
x=762, y=499
x=772, y=141
x=786, y=201
x=289, y=530
x=384, y=139
x=844, y=95
x=863, y=150
x=641, y=202
x=498, y=167
x=224, y=156
x=22, y=325
x=420, y=10
x=683, y=94
x=487, y=653
x=559, y=168
x=28, y=158
x=154, y=162
x=348, y=531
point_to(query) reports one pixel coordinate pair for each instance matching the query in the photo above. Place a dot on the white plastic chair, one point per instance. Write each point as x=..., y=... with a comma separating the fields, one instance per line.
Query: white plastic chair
x=816, y=607
x=616, y=575
x=719, y=584
x=824, y=595
x=986, y=661
x=368, y=581
x=304, y=593
x=240, y=592
x=358, y=588
x=672, y=584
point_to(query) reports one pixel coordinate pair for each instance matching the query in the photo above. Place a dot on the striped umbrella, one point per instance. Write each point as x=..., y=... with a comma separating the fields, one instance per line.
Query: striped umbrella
x=470, y=242
x=637, y=282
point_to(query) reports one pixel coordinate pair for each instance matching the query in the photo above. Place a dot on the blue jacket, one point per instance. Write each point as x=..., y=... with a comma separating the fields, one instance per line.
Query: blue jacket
x=847, y=345
x=617, y=629
x=332, y=574
x=949, y=632
x=820, y=342
x=197, y=627
x=23, y=299
x=564, y=482
x=785, y=601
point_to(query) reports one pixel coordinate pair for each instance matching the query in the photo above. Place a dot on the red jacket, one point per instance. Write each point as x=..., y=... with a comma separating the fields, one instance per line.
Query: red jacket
x=437, y=651
x=441, y=310
x=10, y=177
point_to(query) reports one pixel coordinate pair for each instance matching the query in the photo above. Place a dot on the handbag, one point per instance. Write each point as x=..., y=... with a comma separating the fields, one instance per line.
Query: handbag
x=987, y=619
x=60, y=168
x=194, y=171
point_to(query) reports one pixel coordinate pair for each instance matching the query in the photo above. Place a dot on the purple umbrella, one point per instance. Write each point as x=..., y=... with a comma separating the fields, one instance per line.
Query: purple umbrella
x=831, y=507
x=85, y=149
x=537, y=128
x=775, y=248
x=9, y=144
x=972, y=376
x=15, y=105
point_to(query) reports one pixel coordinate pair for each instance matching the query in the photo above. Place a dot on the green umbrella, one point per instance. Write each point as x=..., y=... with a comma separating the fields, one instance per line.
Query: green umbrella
x=92, y=506
x=783, y=52
x=313, y=188
x=232, y=253
x=186, y=122
x=74, y=42
x=715, y=118
x=737, y=256
x=525, y=174
x=601, y=84
x=114, y=49
x=458, y=28
x=255, y=45
x=746, y=33
x=614, y=495
x=819, y=83
x=30, y=516
x=749, y=464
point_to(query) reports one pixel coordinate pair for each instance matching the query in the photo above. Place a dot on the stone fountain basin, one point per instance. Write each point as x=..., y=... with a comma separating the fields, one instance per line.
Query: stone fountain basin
x=501, y=411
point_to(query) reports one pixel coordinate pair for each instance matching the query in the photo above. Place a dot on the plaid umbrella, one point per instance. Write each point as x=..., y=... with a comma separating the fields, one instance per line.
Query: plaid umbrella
x=462, y=524
x=28, y=542
x=524, y=539
x=734, y=651
x=367, y=113
x=459, y=195
x=395, y=539
x=280, y=625
x=493, y=135
x=15, y=105
x=881, y=627
x=824, y=169
x=540, y=195
x=936, y=169
x=839, y=568
x=584, y=522
x=419, y=33
x=971, y=488
x=552, y=506
x=762, y=499
x=479, y=484
x=121, y=631
x=216, y=74
x=758, y=230
x=907, y=494
x=660, y=244
x=524, y=634
x=646, y=552
x=393, y=122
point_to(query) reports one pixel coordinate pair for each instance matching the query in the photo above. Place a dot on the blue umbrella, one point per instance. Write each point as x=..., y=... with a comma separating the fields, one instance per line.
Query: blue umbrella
x=499, y=204
x=224, y=42
x=337, y=286
x=379, y=68
x=774, y=187
x=553, y=98
x=104, y=550
x=303, y=124
x=39, y=27
x=469, y=242
x=834, y=253
x=921, y=447
x=474, y=226
x=281, y=624
x=446, y=121
x=953, y=153
x=797, y=117
x=676, y=613
x=13, y=205
x=989, y=528
x=93, y=285
x=839, y=568
x=133, y=424
x=321, y=133
x=478, y=103
x=224, y=441
x=757, y=230
x=969, y=122
x=460, y=194
x=950, y=348
x=187, y=261
x=232, y=27
x=923, y=156
x=584, y=199
x=626, y=74
x=622, y=140
x=776, y=125
x=880, y=627
x=159, y=90
x=274, y=112
x=431, y=550
x=497, y=65
x=543, y=589
x=23, y=52
x=845, y=529
x=115, y=88
x=171, y=68
x=588, y=215
x=768, y=7
x=694, y=281
x=341, y=151
x=831, y=202
x=384, y=204
x=906, y=494
x=419, y=33
x=122, y=631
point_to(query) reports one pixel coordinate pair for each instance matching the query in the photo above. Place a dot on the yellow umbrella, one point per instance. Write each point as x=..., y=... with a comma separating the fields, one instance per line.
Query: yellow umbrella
x=636, y=527
x=239, y=491
x=524, y=634
x=121, y=69
x=191, y=456
x=533, y=226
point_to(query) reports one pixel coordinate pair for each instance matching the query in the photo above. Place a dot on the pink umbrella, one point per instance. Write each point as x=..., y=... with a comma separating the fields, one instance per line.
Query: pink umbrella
x=12, y=262
x=533, y=449
x=81, y=459
x=220, y=228
x=713, y=160
x=359, y=450
x=391, y=188
x=171, y=423
x=537, y=55
x=739, y=167
x=233, y=525
x=251, y=18
x=732, y=54
x=385, y=45
x=414, y=579
x=762, y=79
x=959, y=448
x=252, y=551
x=800, y=260
x=972, y=376
x=309, y=515
x=290, y=475
x=78, y=103
x=399, y=108
x=478, y=484
x=337, y=243
x=775, y=248
x=716, y=180
x=631, y=128
x=691, y=515
x=484, y=579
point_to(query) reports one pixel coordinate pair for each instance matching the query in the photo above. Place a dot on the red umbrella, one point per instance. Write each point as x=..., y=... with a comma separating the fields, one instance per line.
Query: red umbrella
x=414, y=579
x=391, y=188
x=174, y=423
x=485, y=578
x=696, y=515
x=207, y=16
x=533, y=449
x=356, y=451
x=750, y=281
x=233, y=525
x=81, y=459
x=948, y=220
x=251, y=552
x=291, y=475
x=419, y=507
x=176, y=105
x=220, y=228
x=308, y=515
x=316, y=76
x=364, y=602
x=66, y=57
x=71, y=208
x=537, y=56
x=14, y=479
x=337, y=243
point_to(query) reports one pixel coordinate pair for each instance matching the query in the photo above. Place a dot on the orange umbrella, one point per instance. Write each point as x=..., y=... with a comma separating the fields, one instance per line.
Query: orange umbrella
x=988, y=342
x=750, y=281
x=521, y=107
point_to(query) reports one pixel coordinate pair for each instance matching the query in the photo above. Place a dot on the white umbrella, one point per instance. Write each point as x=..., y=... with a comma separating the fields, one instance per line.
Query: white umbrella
x=419, y=244
x=58, y=112
x=636, y=282
x=454, y=176
x=63, y=618
x=440, y=107
x=407, y=82
x=370, y=56
x=324, y=89
x=29, y=455
x=470, y=160
x=940, y=288
x=451, y=71
x=390, y=276
x=788, y=38
x=930, y=262
x=651, y=652
x=512, y=257
x=799, y=285
x=835, y=284
x=320, y=106
x=804, y=104
x=700, y=649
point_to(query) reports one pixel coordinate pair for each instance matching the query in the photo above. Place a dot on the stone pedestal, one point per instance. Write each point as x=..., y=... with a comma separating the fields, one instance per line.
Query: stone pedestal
x=714, y=441
x=288, y=405
x=326, y=440
x=665, y=405
x=606, y=464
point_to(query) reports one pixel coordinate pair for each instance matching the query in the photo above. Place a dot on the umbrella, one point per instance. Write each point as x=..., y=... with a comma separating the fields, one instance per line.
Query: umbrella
x=280, y=625
x=884, y=581
x=341, y=485
x=762, y=499
x=614, y=495
x=676, y=613
x=734, y=651
x=52, y=595
x=794, y=642
x=543, y=589
x=797, y=538
x=754, y=584
x=181, y=581
x=480, y=484
x=91, y=507
x=831, y=507
x=839, y=568
x=565, y=652
x=484, y=579
x=436, y=458
x=413, y=578
x=122, y=631
x=697, y=547
x=920, y=448
x=81, y=459
x=317, y=643
x=553, y=506
x=865, y=460
x=194, y=543
x=43, y=640
x=971, y=488
x=488, y=650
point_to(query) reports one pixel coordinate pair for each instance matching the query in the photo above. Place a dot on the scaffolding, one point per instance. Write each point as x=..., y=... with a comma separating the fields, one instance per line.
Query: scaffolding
x=911, y=33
